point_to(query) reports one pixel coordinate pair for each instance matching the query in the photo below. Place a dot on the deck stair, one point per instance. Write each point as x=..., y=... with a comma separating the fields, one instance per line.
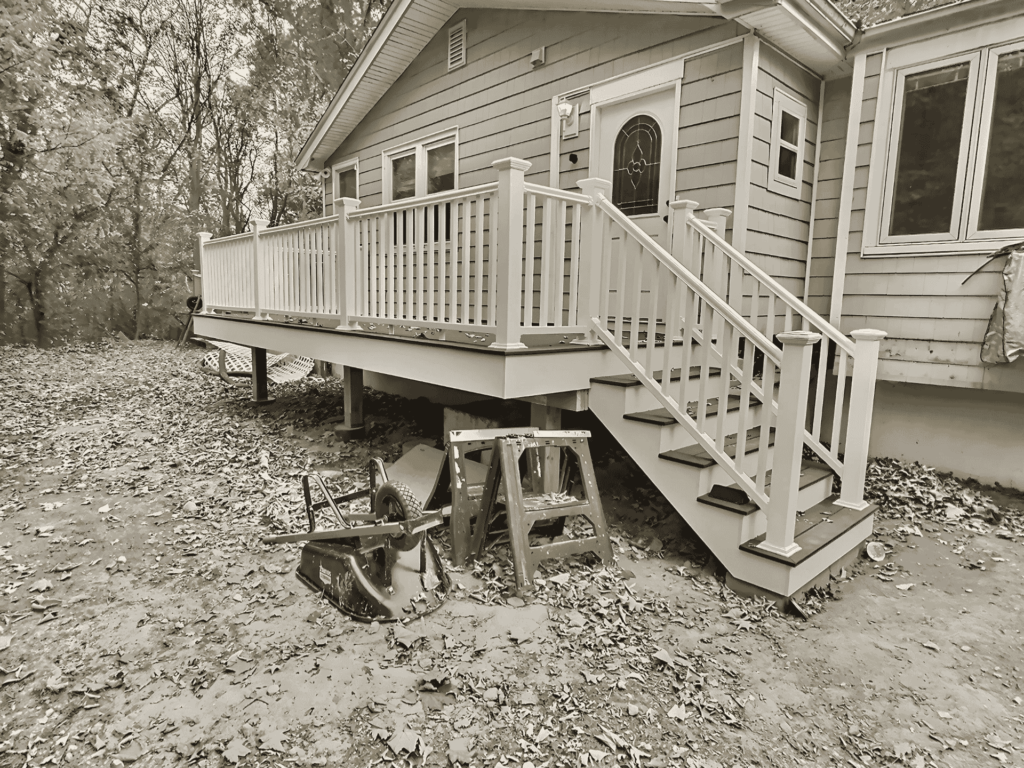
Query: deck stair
x=737, y=474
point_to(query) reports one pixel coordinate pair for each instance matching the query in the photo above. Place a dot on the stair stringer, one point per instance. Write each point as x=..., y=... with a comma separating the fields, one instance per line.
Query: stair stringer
x=722, y=531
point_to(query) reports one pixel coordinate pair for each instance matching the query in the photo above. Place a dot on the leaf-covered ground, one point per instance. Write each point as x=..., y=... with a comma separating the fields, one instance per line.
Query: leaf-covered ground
x=143, y=622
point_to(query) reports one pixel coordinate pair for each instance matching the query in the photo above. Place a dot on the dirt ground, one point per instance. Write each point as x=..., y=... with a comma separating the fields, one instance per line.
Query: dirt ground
x=142, y=621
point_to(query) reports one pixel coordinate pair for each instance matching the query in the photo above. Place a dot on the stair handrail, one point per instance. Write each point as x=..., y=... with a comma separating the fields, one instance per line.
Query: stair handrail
x=797, y=305
x=719, y=304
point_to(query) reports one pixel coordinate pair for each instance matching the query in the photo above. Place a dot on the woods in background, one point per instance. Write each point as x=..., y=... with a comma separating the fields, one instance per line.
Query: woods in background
x=126, y=126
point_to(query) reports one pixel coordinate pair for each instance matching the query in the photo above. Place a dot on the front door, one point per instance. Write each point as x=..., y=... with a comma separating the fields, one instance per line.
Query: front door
x=636, y=149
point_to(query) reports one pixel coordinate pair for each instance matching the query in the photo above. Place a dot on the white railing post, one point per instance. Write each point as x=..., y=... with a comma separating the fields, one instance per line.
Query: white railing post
x=797, y=347
x=201, y=240
x=258, y=225
x=346, y=255
x=716, y=218
x=591, y=258
x=858, y=425
x=509, y=259
x=679, y=236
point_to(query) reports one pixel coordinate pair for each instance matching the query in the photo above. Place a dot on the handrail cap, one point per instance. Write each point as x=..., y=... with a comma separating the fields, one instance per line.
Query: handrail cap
x=675, y=205
x=799, y=338
x=512, y=162
x=868, y=334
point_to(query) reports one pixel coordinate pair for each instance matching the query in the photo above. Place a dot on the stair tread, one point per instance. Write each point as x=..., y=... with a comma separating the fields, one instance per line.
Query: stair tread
x=810, y=473
x=629, y=380
x=696, y=456
x=818, y=527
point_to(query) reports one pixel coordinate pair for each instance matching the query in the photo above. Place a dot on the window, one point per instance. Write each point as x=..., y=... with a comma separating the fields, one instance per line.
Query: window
x=952, y=179
x=636, y=170
x=457, y=46
x=424, y=167
x=428, y=166
x=786, y=152
x=346, y=179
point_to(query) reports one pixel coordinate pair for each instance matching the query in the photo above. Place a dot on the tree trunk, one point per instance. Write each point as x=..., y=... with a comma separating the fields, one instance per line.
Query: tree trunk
x=36, y=296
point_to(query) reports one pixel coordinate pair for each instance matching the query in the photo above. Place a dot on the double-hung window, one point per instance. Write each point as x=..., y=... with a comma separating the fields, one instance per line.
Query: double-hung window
x=420, y=169
x=951, y=169
x=786, y=153
x=346, y=179
x=424, y=167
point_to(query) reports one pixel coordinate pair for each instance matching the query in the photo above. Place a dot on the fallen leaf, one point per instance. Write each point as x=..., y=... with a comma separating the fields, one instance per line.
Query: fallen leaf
x=273, y=740
x=235, y=751
x=461, y=750
x=41, y=586
x=930, y=645
x=904, y=587
x=5, y=642
x=404, y=741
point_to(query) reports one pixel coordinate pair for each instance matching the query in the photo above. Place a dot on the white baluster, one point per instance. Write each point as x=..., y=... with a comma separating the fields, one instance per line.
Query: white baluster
x=257, y=266
x=592, y=258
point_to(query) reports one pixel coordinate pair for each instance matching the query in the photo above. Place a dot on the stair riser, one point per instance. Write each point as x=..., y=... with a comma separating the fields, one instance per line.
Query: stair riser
x=640, y=398
x=813, y=494
x=677, y=436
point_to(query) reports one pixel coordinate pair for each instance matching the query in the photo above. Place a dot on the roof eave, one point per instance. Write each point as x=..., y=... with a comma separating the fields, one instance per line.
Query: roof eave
x=387, y=24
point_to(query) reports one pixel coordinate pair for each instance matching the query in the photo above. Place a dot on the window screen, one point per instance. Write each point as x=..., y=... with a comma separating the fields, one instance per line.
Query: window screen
x=347, y=184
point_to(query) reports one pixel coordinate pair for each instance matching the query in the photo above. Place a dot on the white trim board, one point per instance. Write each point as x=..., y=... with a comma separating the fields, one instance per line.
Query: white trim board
x=835, y=309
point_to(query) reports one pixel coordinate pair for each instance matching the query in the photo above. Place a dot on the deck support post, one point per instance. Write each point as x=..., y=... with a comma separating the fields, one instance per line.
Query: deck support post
x=858, y=425
x=591, y=258
x=549, y=418
x=257, y=263
x=345, y=250
x=509, y=261
x=260, y=392
x=797, y=347
x=354, y=428
x=201, y=240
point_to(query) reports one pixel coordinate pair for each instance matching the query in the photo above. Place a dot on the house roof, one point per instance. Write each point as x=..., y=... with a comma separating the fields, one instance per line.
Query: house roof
x=868, y=13
x=819, y=33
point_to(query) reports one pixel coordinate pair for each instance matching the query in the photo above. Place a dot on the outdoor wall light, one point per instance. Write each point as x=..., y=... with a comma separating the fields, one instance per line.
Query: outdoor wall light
x=569, y=116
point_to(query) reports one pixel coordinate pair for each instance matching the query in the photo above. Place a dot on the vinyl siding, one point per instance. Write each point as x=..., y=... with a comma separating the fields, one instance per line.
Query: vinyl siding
x=502, y=105
x=778, y=225
x=935, y=324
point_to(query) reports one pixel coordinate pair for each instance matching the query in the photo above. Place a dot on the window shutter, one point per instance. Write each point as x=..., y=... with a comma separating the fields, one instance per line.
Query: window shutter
x=457, y=46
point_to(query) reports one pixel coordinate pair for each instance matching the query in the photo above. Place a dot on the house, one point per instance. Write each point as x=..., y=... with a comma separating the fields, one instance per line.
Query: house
x=733, y=231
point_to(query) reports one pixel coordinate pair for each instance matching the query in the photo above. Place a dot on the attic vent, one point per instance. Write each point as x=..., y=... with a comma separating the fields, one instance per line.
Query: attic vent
x=457, y=45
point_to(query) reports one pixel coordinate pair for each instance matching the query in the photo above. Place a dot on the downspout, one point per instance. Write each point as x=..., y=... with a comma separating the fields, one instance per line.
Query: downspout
x=814, y=196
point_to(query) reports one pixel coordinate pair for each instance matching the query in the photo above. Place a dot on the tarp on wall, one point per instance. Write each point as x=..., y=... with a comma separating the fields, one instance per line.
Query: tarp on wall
x=1004, y=338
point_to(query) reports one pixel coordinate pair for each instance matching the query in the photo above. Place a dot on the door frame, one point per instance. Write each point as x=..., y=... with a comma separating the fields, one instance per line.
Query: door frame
x=634, y=85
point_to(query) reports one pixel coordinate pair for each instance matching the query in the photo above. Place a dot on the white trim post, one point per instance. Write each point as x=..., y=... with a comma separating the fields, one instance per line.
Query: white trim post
x=679, y=236
x=509, y=261
x=591, y=258
x=201, y=239
x=346, y=254
x=858, y=424
x=797, y=347
x=257, y=263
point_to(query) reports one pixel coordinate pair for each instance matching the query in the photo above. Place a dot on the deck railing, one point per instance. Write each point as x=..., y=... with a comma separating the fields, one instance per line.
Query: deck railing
x=660, y=312
x=507, y=260
x=501, y=260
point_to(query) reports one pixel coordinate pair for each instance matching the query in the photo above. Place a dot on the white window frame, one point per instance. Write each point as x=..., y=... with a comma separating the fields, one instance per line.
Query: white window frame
x=980, y=47
x=777, y=182
x=419, y=148
x=338, y=168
